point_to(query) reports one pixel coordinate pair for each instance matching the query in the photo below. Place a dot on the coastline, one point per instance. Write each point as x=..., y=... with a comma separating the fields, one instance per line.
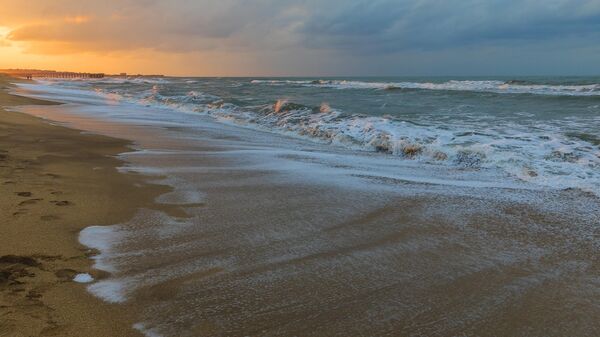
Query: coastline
x=55, y=182
x=285, y=237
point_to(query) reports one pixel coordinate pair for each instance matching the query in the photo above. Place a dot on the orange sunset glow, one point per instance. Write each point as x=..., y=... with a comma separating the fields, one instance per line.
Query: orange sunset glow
x=299, y=38
x=113, y=37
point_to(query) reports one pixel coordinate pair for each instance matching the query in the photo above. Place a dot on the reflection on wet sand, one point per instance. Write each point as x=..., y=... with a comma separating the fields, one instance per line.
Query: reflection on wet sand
x=271, y=247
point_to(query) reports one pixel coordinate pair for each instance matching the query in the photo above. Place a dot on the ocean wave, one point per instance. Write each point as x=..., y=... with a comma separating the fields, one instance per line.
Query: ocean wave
x=192, y=98
x=106, y=80
x=500, y=87
x=541, y=155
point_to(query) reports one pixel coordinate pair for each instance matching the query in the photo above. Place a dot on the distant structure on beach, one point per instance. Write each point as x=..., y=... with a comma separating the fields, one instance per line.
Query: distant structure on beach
x=31, y=73
x=36, y=73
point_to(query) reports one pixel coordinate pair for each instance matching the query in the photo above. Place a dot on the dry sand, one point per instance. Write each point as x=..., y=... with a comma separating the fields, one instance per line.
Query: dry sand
x=55, y=181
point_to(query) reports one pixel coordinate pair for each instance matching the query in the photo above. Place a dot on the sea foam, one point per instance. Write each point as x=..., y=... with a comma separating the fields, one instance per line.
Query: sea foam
x=540, y=152
x=500, y=87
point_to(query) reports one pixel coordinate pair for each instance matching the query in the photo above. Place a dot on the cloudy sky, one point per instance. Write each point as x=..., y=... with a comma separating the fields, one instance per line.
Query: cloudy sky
x=304, y=37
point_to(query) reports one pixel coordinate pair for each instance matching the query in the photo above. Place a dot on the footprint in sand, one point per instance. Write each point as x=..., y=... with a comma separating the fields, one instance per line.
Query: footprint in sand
x=56, y=192
x=65, y=274
x=32, y=294
x=24, y=194
x=19, y=259
x=15, y=267
x=30, y=201
x=61, y=203
x=49, y=217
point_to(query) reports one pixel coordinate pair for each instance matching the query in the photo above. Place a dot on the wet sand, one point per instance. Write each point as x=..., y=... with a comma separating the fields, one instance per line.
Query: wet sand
x=276, y=242
x=55, y=181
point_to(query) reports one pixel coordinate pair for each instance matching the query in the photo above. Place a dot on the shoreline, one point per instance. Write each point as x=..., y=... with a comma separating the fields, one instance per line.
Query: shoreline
x=57, y=181
x=278, y=239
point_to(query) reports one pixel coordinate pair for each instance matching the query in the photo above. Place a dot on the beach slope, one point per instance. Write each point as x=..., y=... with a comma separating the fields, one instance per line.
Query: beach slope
x=55, y=181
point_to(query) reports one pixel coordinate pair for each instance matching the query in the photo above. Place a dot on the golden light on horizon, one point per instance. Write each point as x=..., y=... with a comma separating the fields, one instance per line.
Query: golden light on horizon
x=78, y=19
x=27, y=45
x=4, y=31
x=128, y=36
x=8, y=49
x=297, y=38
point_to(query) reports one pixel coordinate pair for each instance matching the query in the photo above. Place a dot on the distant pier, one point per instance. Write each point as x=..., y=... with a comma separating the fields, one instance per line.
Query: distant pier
x=34, y=73
x=37, y=73
x=53, y=74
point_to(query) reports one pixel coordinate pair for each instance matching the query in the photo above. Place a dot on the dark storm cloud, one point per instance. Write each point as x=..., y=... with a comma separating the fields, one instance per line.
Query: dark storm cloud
x=429, y=24
x=375, y=25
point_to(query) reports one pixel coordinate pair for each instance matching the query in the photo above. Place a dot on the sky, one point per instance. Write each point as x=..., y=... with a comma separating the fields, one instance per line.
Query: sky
x=303, y=37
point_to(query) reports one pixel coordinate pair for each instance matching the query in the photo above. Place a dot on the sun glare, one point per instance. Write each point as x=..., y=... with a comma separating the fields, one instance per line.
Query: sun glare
x=79, y=19
x=4, y=31
x=4, y=42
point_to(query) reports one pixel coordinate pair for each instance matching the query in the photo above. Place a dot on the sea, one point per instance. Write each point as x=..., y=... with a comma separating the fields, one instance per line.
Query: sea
x=539, y=130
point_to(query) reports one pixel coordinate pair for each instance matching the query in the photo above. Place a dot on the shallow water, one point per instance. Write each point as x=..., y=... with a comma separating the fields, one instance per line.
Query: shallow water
x=286, y=235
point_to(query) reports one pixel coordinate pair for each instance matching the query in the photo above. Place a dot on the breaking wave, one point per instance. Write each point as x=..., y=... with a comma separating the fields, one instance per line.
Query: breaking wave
x=500, y=87
x=542, y=156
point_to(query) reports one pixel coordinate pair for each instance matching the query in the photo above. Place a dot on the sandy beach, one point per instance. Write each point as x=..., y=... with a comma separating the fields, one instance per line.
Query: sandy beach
x=54, y=182
x=261, y=234
x=239, y=168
